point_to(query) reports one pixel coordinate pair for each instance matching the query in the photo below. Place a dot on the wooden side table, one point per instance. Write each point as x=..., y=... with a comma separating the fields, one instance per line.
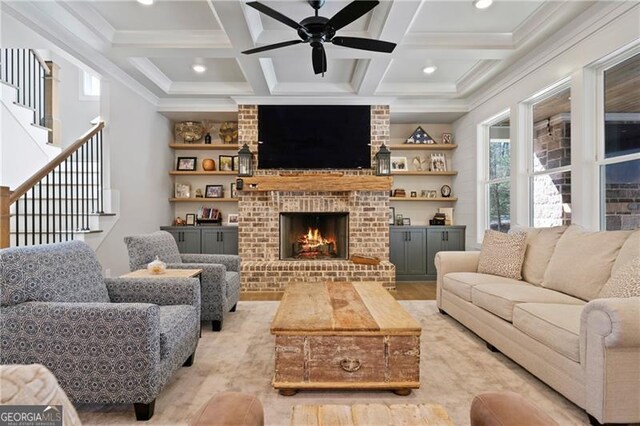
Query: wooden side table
x=169, y=273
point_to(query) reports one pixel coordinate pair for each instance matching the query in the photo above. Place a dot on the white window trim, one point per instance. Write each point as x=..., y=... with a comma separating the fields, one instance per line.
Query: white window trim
x=482, y=211
x=600, y=160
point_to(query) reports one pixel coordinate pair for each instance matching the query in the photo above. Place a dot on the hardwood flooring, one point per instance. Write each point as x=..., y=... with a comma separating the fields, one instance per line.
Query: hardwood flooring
x=406, y=290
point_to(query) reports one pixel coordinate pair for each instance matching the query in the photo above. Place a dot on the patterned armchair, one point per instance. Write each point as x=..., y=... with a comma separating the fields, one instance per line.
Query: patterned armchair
x=108, y=341
x=220, y=289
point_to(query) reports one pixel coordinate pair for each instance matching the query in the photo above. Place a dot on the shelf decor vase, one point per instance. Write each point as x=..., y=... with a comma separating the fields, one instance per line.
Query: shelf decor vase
x=157, y=267
x=208, y=165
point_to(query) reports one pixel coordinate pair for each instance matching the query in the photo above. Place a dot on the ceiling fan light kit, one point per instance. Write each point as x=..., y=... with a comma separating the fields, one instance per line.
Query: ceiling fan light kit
x=317, y=30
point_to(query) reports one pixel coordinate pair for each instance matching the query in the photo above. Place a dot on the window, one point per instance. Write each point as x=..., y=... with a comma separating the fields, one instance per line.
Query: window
x=90, y=85
x=497, y=179
x=619, y=157
x=550, y=166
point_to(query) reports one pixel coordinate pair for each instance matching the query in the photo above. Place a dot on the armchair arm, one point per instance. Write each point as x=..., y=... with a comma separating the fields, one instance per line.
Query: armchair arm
x=99, y=352
x=610, y=354
x=231, y=262
x=454, y=261
x=213, y=288
x=159, y=291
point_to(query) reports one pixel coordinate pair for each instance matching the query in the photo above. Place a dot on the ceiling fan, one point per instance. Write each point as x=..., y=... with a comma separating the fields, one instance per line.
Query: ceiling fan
x=317, y=30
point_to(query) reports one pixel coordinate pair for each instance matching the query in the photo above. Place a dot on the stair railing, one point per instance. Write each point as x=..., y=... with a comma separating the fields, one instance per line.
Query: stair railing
x=27, y=71
x=56, y=203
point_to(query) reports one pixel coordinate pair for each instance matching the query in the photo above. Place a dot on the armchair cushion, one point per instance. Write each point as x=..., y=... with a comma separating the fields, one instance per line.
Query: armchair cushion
x=63, y=272
x=144, y=249
x=159, y=291
x=231, y=262
x=174, y=321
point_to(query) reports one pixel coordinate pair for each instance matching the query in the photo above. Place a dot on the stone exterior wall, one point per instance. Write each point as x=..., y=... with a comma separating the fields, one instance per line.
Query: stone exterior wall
x=552, y=193
x=623, y=206
x=259, y=216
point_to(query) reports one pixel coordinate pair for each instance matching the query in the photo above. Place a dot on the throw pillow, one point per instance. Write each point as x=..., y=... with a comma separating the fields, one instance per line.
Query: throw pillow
x=540, y=245
x=625, y=282
x=629, y=251
x=502, y=254
x=582, y=261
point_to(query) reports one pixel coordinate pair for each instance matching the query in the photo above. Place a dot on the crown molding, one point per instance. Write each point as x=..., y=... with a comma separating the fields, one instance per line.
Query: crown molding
x=416, y=89
x=312, y=89
x=476, y=76
x=91, y=19
x=304, y=100
x=152, y=72
x=544, y=16
x=197, y=105
x=226, y=88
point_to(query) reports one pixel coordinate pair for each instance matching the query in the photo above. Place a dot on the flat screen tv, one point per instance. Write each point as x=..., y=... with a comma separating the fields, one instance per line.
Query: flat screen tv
x=314, y=137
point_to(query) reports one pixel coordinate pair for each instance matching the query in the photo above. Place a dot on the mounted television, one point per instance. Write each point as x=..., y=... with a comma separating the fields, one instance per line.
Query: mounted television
x=314, y=137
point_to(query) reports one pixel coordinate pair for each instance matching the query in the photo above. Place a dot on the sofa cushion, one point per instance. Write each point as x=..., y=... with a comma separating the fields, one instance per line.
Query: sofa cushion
x=144, y=249
x=233, y=281
x=500, y=299
x=625, y=282
x=629, y=251
x=582, y=261
x=555, y=325
x=461, y=283
x=61, y=272
x=502, y=254
x=541, y=243
x=175, y=320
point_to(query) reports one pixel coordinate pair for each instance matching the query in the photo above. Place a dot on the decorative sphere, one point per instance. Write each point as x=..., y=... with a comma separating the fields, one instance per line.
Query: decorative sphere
x=208, y=165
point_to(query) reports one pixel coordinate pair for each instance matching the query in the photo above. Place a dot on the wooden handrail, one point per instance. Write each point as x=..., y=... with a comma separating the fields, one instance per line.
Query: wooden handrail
x=43, y=63
x=66, y=153
x=4, y=217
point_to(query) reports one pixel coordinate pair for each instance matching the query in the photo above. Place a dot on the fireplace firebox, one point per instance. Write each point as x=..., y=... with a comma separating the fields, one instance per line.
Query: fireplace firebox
x=314, y=236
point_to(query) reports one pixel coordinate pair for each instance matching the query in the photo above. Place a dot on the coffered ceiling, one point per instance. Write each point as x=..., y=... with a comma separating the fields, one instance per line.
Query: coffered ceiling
x=157, y=45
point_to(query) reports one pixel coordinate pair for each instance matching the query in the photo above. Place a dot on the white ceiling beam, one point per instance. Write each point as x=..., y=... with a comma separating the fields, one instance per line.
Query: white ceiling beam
x=152, y=72
x=313, y=89
x=225, y=104
x=222, y=88
x=417, y=89
x=209, y=39
x=428, y=40
x=277, y=36
x=92, y=19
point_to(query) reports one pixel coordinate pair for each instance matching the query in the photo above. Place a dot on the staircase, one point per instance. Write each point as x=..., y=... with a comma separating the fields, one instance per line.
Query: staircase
x=59, y=194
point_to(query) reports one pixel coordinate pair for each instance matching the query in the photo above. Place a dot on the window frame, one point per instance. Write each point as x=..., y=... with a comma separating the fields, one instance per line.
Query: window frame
x=82, y=80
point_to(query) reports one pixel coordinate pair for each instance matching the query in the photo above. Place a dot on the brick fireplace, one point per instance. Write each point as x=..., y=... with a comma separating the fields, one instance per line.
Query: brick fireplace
x=364, y=210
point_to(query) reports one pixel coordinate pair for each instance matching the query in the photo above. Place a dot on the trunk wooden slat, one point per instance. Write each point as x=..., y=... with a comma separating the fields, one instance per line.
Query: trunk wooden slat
x=344, y=335
x=370, y=414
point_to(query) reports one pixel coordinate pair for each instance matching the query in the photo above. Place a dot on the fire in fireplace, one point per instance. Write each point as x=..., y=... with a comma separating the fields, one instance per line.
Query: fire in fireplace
x=313, y=236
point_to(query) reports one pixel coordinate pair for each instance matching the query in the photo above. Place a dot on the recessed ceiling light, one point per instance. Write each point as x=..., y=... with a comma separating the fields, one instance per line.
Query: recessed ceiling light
x=482, y=4
x=430, y=69
x=199, y=68
x=146, y=2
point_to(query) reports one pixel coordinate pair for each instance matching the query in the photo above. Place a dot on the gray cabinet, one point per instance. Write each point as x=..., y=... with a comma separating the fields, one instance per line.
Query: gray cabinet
x=205, y=239
x=408, y=251
x=220, y=241
x=443, y=238
x=412, y=249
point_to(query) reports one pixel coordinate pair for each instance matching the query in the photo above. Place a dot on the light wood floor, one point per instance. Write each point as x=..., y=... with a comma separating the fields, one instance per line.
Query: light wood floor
x=407, y=290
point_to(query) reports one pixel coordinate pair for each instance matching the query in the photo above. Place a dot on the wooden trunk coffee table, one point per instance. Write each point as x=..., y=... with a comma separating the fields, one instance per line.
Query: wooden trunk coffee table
x=371, y=414
x=343, y=335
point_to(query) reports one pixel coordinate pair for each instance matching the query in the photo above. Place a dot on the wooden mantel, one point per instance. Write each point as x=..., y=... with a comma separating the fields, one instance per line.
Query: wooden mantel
x=327, y=182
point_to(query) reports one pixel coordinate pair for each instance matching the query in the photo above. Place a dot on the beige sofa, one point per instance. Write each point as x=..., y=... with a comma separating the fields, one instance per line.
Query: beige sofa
x=552, y=322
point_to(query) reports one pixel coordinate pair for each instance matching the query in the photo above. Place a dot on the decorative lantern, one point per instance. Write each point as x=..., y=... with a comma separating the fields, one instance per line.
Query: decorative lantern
x=245, y=161
x=383, y=161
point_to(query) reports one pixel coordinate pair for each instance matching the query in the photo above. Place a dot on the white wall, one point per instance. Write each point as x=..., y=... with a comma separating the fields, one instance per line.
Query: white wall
x=587, y=39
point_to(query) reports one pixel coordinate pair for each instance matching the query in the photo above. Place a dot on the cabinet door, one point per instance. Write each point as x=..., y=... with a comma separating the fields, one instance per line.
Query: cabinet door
x=415, y=252
x=190, y=241
x=454, y=240
x=211, y=241
x=229, y=241
x=176, y=236
x=397, y=239
x=434, y=245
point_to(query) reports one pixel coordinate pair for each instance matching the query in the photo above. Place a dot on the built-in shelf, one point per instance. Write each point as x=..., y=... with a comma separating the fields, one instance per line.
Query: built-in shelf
x=423, y=173
x=203, y=200
x=204, y=147
x=440, y=199
x=423, y=146
x=219, y=173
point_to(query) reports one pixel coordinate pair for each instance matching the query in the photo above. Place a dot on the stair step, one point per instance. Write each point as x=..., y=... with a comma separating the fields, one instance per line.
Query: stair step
x=37, y=126
x=20, y=104
x=6, y=83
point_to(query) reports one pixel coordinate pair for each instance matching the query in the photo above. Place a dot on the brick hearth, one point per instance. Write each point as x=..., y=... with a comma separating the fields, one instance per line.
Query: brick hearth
x=259, y=214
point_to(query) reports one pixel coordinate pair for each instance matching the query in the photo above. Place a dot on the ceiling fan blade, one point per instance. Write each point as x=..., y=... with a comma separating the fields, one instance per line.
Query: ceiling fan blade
x=350, y=13
x=275, y=15
x=364, y=44
x=319, y=59
x=272, y=46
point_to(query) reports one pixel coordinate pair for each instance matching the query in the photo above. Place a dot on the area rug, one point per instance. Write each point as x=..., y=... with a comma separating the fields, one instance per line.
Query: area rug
x=455, y=366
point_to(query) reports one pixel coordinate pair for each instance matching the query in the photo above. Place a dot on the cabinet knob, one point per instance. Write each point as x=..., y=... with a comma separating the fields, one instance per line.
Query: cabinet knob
x=350, y=365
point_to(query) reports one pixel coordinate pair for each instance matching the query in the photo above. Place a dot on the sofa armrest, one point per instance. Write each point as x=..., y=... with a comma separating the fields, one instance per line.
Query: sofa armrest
x=454, y=261
x=610, y=355
x=159, y=291
x=99, y=352
x=231, y=262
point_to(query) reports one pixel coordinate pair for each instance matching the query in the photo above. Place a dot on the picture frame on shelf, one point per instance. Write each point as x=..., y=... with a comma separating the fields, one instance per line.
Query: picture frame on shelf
x=199, y=193
x=225, y=163
x=406, y=221
x=233, y=191
x=392, y=216
x=432, y=193
x=398, y=219
x=399, y=164
x=438, y=162
x=190, y=219
x=414, y=194
x=186, y=164
x=236, y=163
x=424, y=193
x=232, y=219
x=182, y=190
x=447, y=138
x=420, y=136
x=213, y=191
